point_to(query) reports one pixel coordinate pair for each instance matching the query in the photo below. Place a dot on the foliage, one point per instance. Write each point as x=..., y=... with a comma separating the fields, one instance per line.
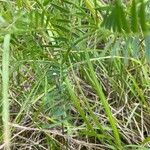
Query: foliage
x=76, y=75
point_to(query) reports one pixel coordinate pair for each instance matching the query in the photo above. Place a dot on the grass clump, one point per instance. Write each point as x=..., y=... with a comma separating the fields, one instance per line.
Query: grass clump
x=75, y=74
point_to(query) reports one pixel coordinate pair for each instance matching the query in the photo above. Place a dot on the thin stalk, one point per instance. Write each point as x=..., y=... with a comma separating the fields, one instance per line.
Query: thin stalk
x=5, y=88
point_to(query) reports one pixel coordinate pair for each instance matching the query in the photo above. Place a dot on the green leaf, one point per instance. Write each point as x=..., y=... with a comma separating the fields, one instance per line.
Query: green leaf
x=19, y=3
x=134, y=17
x=142, y=16
x=61, y=9
x=146, y=140
x=103, y=99
x=147, y=47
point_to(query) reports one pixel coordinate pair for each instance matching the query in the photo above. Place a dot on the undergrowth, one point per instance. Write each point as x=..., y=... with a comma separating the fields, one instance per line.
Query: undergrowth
x=75, y=75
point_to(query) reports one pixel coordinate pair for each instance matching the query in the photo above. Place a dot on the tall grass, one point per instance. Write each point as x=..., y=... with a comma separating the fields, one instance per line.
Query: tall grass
x=5, y=90
x=77, y=75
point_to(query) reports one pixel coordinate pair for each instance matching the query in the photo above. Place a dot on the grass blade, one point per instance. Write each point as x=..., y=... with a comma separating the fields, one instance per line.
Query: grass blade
x=101, y=95
x=134, y=17
x=5, y=87
x=81, y=111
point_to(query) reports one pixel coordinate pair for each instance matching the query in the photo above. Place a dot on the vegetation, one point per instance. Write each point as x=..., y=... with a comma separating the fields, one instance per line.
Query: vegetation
x=75, y=74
